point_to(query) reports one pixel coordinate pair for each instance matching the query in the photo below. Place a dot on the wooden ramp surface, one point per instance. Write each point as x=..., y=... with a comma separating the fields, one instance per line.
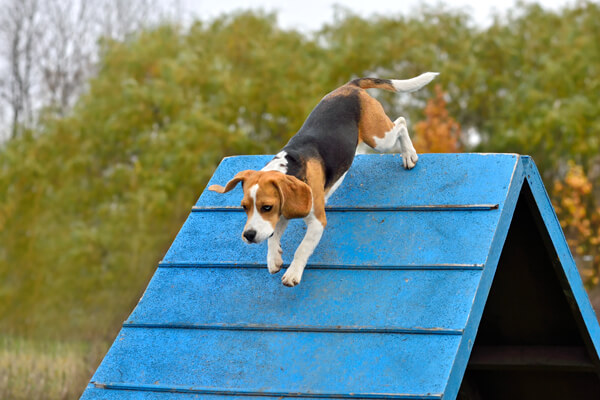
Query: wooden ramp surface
x=388, y=306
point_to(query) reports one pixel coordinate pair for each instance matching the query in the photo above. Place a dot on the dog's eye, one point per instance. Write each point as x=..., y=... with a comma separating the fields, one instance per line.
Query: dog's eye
x=245, y=207
x=266, y=208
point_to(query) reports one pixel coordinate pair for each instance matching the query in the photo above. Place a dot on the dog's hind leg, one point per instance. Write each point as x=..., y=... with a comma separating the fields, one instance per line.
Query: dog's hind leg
x=396, y=140
x=378, y=132
x=274, y=252
x=409, y=154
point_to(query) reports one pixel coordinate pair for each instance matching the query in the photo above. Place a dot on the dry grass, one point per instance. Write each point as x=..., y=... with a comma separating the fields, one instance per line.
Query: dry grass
x=45, y=370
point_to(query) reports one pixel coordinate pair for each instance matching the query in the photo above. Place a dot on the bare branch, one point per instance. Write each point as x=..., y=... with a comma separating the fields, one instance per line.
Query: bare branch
x=51, y=49
x=19, y=30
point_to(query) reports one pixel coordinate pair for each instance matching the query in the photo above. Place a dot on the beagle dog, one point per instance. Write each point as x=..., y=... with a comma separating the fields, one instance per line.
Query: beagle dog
x=313, y=164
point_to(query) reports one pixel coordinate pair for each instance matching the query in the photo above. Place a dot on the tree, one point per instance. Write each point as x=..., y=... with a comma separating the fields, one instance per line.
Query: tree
x=53, y=49
x=579, y=216
x=439, y=132
x=94, y=195
x=94, y=199
x=96, y=184
x=19, y=29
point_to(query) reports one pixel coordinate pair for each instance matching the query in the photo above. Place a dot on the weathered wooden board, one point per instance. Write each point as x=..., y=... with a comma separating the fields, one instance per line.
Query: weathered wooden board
x=258, y=362
x=380, y=181
x=373, y=238
x=382, y=300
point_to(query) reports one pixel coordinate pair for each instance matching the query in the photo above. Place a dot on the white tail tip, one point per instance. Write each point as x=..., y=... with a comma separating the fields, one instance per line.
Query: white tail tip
x=413, y=84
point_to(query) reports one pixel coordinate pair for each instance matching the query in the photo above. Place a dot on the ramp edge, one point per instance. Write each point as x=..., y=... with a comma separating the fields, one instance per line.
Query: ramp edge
x=237, y=392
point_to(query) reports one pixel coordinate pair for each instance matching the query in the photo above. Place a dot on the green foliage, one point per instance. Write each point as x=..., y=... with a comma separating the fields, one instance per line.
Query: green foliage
x=530, y=83
x=544, y=84
x=92, y=200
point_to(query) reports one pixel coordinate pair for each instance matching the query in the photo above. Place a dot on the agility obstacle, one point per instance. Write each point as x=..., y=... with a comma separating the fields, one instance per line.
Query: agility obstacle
x=451, y=279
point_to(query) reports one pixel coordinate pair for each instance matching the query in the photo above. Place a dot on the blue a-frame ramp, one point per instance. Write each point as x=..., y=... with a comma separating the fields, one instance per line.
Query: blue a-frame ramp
x=452, y=276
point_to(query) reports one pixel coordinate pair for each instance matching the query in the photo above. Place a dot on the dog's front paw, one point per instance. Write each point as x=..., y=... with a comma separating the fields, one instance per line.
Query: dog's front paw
x=410, y=158
x=292, y=276
x=274, y=260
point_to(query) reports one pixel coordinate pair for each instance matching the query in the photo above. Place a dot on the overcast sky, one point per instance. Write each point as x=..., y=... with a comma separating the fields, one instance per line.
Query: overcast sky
x=309, y=15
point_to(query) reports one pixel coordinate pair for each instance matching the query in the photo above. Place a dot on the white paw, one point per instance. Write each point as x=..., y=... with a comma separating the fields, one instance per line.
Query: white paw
x=409, y=158
x=274, y=260
x=292, y=276
x=400, y=121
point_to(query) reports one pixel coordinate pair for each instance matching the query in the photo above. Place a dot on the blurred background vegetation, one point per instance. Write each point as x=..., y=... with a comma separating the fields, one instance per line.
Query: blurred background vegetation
x=105, y=155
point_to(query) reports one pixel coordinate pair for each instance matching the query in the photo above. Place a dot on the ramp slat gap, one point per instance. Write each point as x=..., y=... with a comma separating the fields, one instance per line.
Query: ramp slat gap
x=457, y=267
x=236, y=392
x=292, y=328
x=438, y=207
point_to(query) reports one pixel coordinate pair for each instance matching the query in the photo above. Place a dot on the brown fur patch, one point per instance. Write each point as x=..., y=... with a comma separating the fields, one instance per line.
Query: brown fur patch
x=374, y=83
x=345, y=90
x=241, y=176
x=295, y=195
x=315, y=176
x=373, y=120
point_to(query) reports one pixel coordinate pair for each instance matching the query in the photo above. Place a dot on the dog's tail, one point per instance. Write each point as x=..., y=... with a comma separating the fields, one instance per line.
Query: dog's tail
x=395, y=85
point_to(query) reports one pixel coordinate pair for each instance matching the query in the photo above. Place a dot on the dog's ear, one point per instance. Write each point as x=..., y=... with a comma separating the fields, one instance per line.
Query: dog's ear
x=296, y=196
x=240, y=176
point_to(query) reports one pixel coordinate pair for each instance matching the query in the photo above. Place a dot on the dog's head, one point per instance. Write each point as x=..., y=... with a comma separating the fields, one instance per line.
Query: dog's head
x=268, y=195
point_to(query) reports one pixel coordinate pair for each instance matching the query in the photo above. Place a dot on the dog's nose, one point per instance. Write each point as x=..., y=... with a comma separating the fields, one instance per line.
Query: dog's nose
x=250, y=235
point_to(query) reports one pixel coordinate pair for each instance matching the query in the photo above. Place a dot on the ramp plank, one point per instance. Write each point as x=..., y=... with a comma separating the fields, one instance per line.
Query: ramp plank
x=381, y=181
x=362, y=300
x=425, y=238
x=281, y=362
